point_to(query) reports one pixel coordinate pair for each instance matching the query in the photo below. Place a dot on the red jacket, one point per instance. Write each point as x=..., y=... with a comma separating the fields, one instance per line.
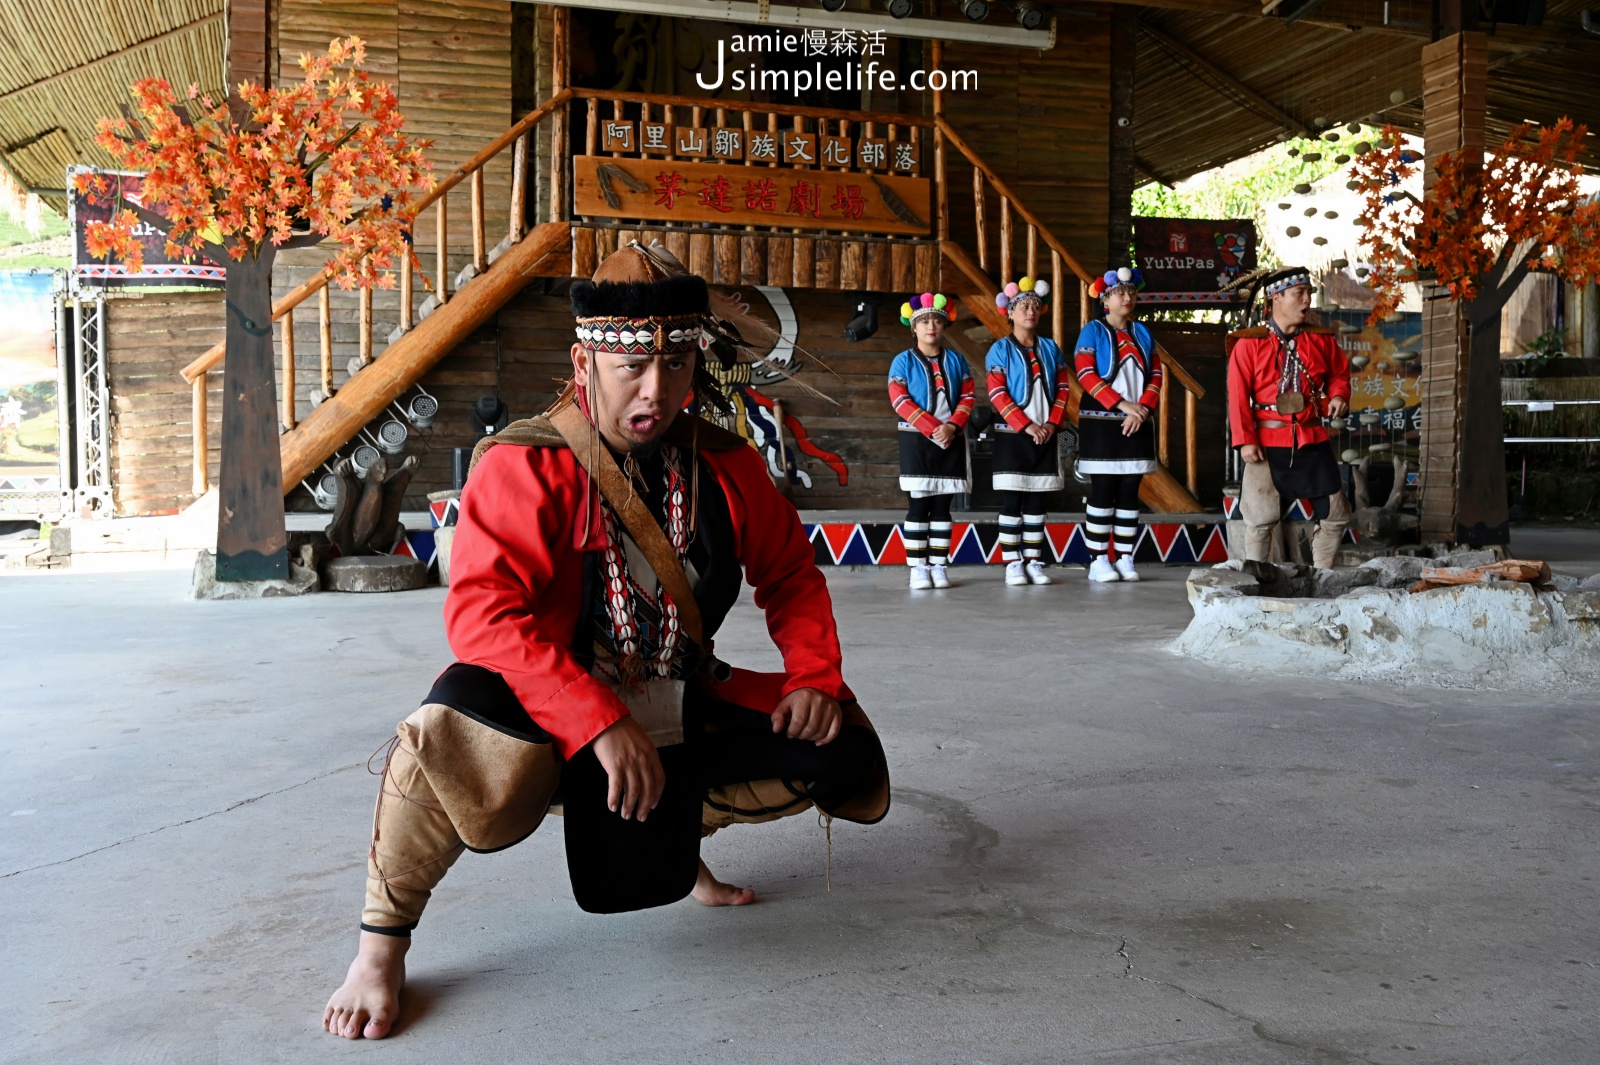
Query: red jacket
x=516, y=577
x=1253, y=370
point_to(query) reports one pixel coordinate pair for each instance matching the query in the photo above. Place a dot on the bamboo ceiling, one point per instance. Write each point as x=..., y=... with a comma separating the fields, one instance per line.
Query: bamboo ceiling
x=1188, y=119
x=65, y=64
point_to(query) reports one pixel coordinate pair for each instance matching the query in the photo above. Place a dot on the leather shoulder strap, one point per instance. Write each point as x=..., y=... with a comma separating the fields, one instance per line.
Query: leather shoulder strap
x=596, y=460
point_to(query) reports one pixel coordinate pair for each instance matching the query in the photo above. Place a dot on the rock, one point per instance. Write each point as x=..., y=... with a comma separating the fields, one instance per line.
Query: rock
x=1468, y=558
x=1332, y=583
x=61, y=541
x=374, y=573
x=302, y=580
x=1562, y=582
x=1582, y=606
x=1397, y=571
x=1590, y=584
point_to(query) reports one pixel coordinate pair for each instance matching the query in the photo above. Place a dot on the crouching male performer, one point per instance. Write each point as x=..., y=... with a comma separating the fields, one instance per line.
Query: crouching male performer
x=1284, y=376
x=599, y=548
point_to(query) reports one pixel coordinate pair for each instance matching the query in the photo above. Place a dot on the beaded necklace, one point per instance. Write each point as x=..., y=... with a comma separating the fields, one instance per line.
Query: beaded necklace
x=636, y=659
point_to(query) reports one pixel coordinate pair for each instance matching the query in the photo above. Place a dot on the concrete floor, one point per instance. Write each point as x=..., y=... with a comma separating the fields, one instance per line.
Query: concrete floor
x=1098, y=852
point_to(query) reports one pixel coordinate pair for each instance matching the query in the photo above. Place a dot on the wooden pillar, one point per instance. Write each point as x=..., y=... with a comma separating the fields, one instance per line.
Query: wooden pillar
x=1124, y=46
x=1462, y=454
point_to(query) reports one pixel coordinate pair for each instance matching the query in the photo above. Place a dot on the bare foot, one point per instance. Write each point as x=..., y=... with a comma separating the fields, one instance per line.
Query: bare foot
x=709, y=891
x=368, y=1003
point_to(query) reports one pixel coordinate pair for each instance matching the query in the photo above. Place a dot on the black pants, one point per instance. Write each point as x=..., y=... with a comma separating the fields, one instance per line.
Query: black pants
x=740, y=746
x=1022, y=525
x=926, y=532
x=1113, y=506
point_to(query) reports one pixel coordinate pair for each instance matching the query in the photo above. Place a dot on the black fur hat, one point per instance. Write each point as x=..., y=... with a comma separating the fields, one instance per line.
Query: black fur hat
x=667, y=297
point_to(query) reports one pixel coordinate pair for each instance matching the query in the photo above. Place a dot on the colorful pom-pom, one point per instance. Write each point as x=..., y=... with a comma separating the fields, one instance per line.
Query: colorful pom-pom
x=1001, y=300
x=905, y=312
x=1041, y=289
x=1124, y=274
x=1012, y=289
x=939, y=302
x=1026, y=284
x=927, y=299
x=951, y=311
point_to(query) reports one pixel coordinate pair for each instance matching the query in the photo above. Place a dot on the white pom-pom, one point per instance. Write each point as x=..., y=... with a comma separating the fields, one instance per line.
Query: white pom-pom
x=1124, y=274
x=1041, y=288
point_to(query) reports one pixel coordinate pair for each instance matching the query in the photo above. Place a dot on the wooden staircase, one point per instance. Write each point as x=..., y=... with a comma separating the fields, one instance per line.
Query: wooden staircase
x=750, y=255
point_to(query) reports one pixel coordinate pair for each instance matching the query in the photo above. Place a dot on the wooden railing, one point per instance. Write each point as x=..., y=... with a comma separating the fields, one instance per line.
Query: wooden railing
x=472, y=171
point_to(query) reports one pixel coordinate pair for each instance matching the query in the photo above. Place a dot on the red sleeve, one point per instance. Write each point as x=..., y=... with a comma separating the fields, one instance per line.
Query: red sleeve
x=907, y=409
x=1152, y=390
x=1004, y=406
x=780, y=565
x=1241, y=418
x=1092, y=382
x=515, y=585
x=969, y=399
x=1058, y=409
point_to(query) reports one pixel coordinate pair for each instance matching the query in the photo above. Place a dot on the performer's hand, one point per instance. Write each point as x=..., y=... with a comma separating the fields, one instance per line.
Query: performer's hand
x=634, y=768
x=1252, y=453
x=1136, y=415
x=1041, y=433
x=944, y=434
x=807, y=714
x=1338, y=407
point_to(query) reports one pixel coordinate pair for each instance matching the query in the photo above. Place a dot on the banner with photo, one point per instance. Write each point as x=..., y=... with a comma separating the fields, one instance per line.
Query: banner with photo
x=1187, y=260
x=30, y=404
x=160, y=268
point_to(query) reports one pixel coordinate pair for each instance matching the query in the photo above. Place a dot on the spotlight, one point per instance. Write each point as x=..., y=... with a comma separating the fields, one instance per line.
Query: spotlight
x=975, y=10
x=421, y=411
x=1031, y=14
x=902, y=8
x=489, y=415
x=326, y=493
x=833, y=5
x=864, y=324
x=392, y=437
x=363, y=457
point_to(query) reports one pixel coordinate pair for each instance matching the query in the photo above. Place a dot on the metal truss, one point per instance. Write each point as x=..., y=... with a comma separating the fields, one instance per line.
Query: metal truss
x=92, y=426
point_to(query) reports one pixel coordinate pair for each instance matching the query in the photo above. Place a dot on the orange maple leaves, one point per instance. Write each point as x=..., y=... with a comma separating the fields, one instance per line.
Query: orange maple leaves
x=1521, y=202
x=326, y=156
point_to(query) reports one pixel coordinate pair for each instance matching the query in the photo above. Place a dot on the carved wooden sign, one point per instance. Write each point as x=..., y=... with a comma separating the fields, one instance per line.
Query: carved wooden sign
x=724, y=194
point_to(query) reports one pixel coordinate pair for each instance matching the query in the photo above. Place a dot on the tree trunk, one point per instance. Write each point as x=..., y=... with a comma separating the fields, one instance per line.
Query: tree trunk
x=251, y=542
x=1482, y=510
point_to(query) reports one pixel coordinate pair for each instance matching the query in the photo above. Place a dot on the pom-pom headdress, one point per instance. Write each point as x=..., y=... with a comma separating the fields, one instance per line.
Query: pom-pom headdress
x=925, y=304
x=1025, y=289
x=1123, y=277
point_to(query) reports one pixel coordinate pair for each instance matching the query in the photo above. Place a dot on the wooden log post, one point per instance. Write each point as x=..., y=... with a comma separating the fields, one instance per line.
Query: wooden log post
x=480, y=255
x=1005, y=241
x=325, y=340
x=1164, y=421
x=1057, y=313
x=1191, y=450
x=561, y=19
x=198, y=415
x=441, y=251
x=364, y=335
x=980, y=220
x=288, y=369
x=405, y=292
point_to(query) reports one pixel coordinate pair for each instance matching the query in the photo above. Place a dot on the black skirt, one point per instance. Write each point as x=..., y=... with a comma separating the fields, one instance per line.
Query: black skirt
x=1020, y=465
x=926, y=469
x=1103, y=449
x=1306, y=472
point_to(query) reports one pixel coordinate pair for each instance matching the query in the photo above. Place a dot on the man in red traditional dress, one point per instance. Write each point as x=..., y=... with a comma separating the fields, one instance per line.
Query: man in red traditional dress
x=1284, y=378
x=599, y=548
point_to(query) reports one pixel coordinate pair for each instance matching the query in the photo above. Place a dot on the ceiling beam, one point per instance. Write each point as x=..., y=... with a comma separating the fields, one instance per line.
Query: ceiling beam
x=147, y=42
x=1152, y=173
x=1249, y=96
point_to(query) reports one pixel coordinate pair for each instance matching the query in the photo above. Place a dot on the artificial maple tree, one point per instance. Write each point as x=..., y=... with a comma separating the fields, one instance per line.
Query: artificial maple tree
x=326, y=159
x=1486, y=222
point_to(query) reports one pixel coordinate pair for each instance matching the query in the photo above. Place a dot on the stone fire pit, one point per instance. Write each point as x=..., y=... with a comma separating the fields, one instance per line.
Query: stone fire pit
x=1362, y=623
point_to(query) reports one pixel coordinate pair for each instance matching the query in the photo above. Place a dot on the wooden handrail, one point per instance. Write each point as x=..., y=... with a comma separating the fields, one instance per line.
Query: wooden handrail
x=886, y=117
x=1004, y=190
x=1185, y=378
x=306, y=289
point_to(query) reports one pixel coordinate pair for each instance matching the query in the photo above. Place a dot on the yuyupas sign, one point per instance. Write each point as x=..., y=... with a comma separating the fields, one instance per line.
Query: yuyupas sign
x=1187, y=260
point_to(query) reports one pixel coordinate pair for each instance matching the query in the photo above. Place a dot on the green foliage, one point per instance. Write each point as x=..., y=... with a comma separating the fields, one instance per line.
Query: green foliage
x=14, y=233
x=1249, y=187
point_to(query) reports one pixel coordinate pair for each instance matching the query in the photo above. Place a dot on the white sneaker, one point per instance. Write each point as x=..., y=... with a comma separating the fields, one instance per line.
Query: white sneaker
x=1036, y=573
x=941, y=579
x=1015, y=575
x=1125, y=568
x=1101, y=570
x=920, y=581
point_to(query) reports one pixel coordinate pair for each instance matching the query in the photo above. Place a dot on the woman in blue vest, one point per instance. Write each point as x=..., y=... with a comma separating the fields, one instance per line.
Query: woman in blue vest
x=1120, y=372
x=1029, y=385
x=932, y=392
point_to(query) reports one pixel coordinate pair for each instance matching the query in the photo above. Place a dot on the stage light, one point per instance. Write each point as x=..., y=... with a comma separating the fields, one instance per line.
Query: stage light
x=392, y=437
x=864, y=324
x=902, y=8
x=362, y=458
x=421, y=411
x=833, y=5
x=975, y=10
x=326, y=493
x=1030, y=14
